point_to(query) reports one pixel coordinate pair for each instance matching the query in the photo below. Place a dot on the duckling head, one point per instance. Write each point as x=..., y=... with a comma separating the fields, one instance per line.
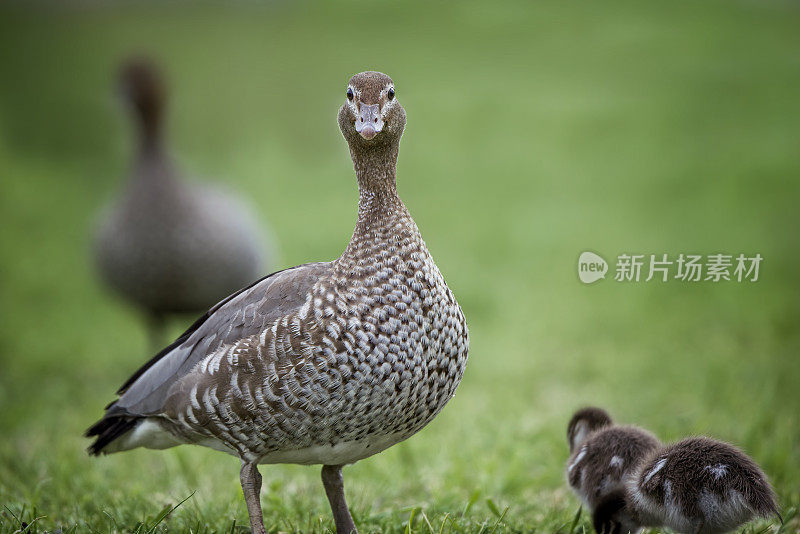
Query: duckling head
x=371, y=115
x=141, y=86
x=614, y=515
x=584, y=422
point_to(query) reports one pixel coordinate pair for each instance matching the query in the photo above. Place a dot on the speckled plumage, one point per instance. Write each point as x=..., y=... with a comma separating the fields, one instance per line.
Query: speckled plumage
x=375, y=350
x=322, y=363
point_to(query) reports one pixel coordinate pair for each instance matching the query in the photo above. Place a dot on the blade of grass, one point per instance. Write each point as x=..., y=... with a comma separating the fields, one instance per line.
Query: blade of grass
x=472, y=500
x=493, y=507
x=427, y=522
x=410, y=520
x=575, y=520
x=499, y=520
x=444, y=521
x=166, y=511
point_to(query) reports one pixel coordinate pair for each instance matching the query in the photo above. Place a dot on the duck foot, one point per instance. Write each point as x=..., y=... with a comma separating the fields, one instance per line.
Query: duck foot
x=334, y=488
x=251, y=486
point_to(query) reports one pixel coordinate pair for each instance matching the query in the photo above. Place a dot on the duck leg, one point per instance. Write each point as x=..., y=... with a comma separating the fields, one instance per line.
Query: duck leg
x=156, y=328
x=334, y=488
x=251, y=486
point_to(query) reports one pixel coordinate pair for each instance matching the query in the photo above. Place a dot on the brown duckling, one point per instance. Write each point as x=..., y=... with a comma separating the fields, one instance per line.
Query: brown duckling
x=602, y=453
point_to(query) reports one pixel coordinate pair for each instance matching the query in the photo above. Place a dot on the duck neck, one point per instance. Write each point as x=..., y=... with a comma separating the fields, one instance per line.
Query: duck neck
x=150, y=130
x=153, y=173
x=379, y=206
x=377, y=190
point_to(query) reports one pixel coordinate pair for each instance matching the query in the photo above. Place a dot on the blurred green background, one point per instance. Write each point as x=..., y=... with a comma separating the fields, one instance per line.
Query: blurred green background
x=535, y=131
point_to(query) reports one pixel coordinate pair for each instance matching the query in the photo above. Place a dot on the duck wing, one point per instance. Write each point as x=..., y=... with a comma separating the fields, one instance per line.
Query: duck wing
x=242, y=314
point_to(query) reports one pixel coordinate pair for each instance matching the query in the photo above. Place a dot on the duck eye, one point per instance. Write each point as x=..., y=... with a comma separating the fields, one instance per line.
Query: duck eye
x=390, y=94
x=350, y=94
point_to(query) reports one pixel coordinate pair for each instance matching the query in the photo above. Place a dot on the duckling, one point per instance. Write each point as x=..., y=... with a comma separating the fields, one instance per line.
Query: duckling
x=698, y=486
x=168, y=245
x=324, y=363
x=601, y=454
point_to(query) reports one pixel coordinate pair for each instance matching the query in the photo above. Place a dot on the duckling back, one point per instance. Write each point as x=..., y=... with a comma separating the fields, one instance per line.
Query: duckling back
x=699, y=486
x=599, y=465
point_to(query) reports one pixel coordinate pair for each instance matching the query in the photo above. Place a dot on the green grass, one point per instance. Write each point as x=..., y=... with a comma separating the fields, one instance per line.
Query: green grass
x=535, y=131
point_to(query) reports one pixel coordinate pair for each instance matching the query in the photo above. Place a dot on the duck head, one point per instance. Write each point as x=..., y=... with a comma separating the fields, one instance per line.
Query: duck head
x=371, y=116
x=584, y=422
x=615, y=515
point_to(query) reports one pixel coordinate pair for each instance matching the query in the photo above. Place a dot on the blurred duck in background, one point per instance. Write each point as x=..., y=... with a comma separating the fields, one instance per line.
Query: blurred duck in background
x=168, y=245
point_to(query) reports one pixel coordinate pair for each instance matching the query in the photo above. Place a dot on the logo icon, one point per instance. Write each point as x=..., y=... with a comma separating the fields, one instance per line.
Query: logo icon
x=591, y=267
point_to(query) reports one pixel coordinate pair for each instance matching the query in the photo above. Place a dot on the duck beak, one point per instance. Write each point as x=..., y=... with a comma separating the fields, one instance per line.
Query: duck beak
x=369, y=121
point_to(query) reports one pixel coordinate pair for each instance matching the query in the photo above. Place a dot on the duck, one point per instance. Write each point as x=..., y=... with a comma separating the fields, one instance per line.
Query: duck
x=169, y=245
x=325, y=363
x=698, y=485
x=602, y=453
